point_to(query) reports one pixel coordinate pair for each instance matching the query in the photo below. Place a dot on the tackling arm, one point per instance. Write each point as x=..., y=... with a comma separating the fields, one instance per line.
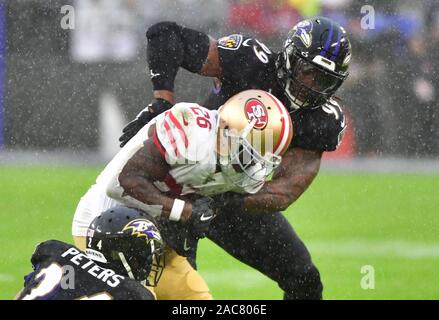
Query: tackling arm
x=298, y=169
x=171, y=46
x=137, y=176
x=136, y=183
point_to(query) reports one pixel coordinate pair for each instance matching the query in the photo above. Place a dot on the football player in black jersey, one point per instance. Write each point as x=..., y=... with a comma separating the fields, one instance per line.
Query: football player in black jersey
x=124, y=254
x=304, y=76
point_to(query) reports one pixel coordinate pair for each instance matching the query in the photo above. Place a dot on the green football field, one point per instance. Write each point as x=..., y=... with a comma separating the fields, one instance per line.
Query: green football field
x=385, y=223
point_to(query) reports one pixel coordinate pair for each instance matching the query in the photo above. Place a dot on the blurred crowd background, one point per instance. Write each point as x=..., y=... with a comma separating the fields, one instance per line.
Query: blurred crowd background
x=53, y=79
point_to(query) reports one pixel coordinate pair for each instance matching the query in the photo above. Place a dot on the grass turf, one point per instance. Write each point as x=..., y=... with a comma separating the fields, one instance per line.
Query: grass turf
x=387, y=221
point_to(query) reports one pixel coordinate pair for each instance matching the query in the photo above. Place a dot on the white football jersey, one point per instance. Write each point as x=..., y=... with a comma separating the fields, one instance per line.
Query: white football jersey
x=186, y=137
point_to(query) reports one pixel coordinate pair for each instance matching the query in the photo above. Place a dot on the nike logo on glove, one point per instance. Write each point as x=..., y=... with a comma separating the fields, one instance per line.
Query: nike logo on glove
x=205, y=218
x=185, y=246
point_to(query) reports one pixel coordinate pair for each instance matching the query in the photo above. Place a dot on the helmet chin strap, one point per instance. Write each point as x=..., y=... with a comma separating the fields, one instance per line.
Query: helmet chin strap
x=281, y=75
x=126, y=265
x=292, y=99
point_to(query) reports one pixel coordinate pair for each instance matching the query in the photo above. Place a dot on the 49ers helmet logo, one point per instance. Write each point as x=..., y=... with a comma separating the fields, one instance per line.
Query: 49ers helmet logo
x=255, y=109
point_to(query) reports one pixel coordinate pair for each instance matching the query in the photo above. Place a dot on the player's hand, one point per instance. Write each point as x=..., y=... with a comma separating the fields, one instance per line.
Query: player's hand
x=153, y=109
x=201, y=217
x=228, y=202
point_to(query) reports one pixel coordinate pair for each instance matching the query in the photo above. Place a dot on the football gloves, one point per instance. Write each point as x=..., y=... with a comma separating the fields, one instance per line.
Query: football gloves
x=152, y=110
x=205, y=209
x=201, y=217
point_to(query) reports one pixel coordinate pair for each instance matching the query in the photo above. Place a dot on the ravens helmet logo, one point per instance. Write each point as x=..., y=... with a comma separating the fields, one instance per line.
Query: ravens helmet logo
x=143, y=228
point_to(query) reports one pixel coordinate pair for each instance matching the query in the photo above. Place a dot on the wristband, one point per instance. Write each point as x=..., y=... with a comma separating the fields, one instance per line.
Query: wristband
x=177, y=210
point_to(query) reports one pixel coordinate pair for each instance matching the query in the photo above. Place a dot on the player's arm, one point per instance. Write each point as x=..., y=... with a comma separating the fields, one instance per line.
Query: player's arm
x=171, y=46
x=298, y=169
x=137, y=181
x=315, y=132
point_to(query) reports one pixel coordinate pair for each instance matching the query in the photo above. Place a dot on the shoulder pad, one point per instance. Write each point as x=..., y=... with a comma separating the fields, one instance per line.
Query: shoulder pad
x=231, y=42
x=247, y=63
x=319, y=129
x=183, y=132
x=47, y=249
x=332, y=107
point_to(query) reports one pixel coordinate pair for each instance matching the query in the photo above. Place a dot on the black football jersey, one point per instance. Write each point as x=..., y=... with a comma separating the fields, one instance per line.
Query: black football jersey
x=246, y=63
x=63, y=272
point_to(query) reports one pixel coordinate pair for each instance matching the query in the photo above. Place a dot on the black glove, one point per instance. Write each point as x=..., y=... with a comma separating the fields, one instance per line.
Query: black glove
x=152, y=110
x=178, y=236
x=228, y=202
x=201, y=217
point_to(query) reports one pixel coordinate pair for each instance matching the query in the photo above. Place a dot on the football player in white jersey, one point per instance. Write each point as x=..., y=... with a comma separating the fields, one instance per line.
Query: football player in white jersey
x=179, y=159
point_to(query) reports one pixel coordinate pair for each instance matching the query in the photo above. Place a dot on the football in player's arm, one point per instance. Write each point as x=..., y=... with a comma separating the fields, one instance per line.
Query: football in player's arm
x=123, y=255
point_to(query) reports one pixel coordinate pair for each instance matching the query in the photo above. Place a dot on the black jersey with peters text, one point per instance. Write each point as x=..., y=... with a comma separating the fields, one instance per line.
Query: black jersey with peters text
x=63, y=272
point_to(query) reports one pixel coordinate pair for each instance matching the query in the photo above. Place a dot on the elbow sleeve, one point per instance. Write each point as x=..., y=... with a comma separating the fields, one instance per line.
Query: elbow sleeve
x=171, y=46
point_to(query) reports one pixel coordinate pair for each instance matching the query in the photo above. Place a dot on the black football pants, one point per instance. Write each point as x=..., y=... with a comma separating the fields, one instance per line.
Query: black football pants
x=268, y=243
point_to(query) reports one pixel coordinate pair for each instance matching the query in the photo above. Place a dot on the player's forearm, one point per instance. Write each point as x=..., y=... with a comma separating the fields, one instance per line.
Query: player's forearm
x=297, y=172
x=141, y=189
x=270, y=199
x=171, y=46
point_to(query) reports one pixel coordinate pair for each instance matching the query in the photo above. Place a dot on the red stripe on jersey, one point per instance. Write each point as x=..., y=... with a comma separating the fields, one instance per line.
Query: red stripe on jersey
x=174, y=188
x=179, y=127
x=171, y=137
x=159, y=145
